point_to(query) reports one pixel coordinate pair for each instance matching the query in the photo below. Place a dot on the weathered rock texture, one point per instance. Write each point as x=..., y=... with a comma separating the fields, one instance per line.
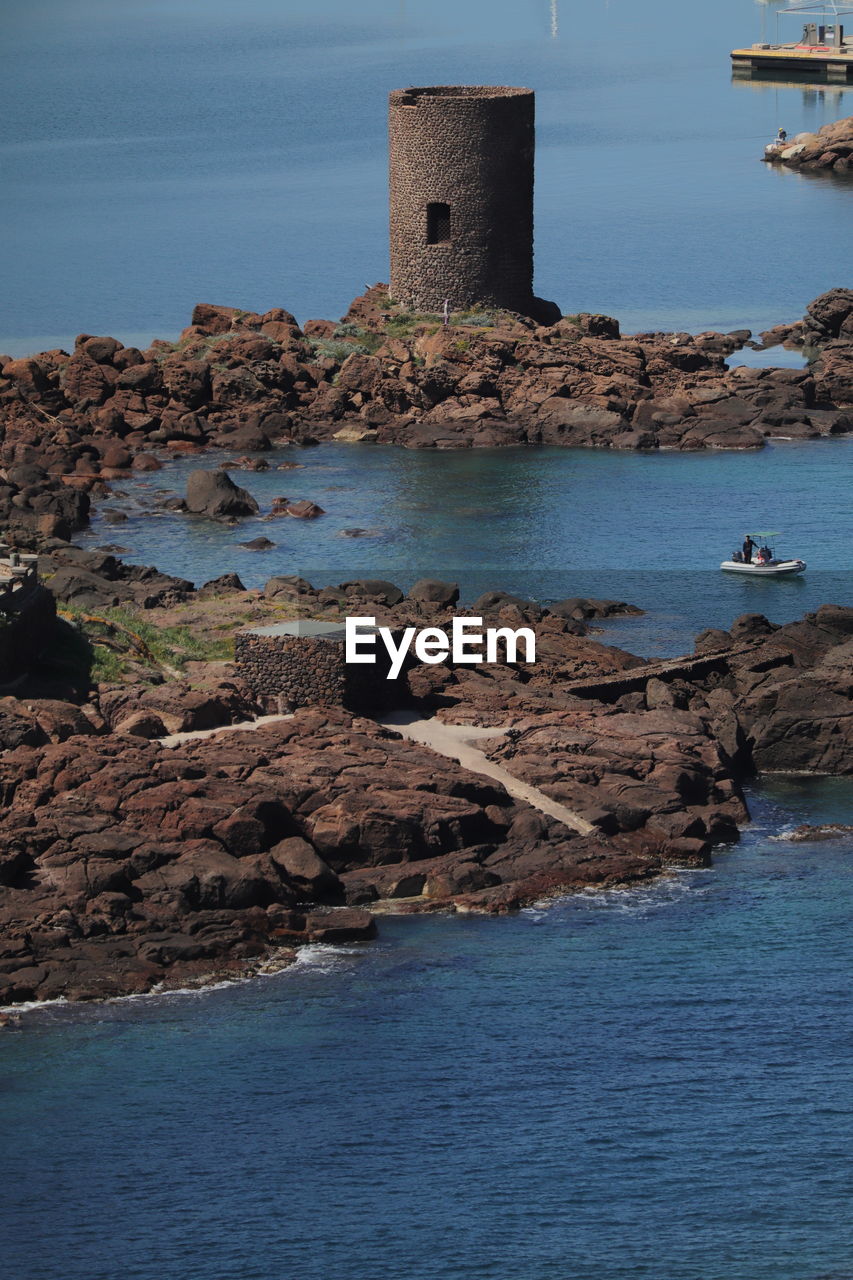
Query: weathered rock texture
x=125, y=864
x=214, y=494
x=70, y=425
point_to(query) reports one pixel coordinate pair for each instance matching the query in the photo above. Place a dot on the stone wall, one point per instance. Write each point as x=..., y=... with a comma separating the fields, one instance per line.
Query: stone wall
x=469, y=147
x=299, y=671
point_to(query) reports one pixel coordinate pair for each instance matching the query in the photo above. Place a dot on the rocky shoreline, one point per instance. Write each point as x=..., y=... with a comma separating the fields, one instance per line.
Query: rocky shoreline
x=74, y=423
x=131, y=860
x=830, y=150
x=129, y=863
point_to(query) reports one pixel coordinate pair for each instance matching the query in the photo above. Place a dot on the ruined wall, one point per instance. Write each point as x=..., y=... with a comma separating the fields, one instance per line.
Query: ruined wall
x=467, y=149
x=303, y=671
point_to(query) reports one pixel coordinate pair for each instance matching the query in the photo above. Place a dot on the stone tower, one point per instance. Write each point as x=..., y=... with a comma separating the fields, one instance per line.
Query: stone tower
x=462, y=198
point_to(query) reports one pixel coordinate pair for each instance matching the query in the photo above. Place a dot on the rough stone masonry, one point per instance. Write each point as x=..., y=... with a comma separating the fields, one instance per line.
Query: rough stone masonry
x=461, y=180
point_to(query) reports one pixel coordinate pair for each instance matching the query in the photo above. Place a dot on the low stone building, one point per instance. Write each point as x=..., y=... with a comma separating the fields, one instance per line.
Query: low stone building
x=303, y=663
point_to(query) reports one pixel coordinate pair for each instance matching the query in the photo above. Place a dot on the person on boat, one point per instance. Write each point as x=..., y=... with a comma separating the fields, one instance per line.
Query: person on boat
x=748, y=546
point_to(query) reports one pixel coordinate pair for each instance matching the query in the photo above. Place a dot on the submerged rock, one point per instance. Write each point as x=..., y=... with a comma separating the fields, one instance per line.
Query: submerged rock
x=826, y=831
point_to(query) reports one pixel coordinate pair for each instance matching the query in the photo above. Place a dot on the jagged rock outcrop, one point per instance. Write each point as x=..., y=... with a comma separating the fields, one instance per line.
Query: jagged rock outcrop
x=125, y=863
x=73, y=423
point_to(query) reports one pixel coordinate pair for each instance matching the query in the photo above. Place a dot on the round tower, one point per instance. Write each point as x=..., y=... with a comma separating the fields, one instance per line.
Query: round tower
x=461, y=168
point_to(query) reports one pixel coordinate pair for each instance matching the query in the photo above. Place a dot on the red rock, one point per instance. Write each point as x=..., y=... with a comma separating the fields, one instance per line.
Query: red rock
x=146, y=462
x=303, y=510
x=30, y=376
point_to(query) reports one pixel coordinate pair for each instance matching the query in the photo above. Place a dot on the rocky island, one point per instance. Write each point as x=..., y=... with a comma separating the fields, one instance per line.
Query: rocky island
x=72, y=423
x=147, y=840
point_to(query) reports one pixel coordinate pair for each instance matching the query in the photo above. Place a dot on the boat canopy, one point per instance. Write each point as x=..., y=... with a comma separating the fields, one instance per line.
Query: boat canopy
x=823, y=7
x=764, y=535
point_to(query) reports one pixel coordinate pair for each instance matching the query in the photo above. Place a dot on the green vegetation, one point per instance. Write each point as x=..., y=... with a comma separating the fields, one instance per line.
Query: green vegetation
x=329, y=349
x=479, y=319
x=404, y=323
x=194, y=345
x=116, y=641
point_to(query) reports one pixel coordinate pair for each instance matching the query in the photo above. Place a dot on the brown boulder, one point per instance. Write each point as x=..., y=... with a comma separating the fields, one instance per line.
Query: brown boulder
x=345, y=924
x=303, y=868
x=214, y=494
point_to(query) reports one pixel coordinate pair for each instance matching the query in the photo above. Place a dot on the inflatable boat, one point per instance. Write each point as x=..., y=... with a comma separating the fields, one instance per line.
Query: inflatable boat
x=764, y=562
x=765, y=568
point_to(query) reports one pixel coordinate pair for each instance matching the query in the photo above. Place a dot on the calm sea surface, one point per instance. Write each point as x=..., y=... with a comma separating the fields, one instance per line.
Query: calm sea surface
x=548, y=523
x=163, y=152
x=649, y=1083
x=645, y=1084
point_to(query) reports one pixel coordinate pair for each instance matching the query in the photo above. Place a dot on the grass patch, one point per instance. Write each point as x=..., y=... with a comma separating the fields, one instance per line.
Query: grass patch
x=120, y=640
x=338, y=350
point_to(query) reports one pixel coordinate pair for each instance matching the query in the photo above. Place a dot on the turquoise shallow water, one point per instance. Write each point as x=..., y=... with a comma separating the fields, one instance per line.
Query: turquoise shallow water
x=641, y=1083
x=650, y=529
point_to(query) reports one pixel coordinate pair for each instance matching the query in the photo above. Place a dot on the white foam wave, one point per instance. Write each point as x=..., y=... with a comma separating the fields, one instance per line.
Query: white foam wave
x=324, y=956
x=634, y=899
x=27, y=1006
x=268, y=968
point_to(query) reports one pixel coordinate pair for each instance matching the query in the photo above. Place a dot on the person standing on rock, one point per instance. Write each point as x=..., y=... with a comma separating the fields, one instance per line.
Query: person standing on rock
x=748, y=546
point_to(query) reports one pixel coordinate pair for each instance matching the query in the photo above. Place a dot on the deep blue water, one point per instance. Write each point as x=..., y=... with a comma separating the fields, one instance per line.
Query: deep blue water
x=646, y=1083
x=547, y=523
x=164, y=152
x=626, y=1085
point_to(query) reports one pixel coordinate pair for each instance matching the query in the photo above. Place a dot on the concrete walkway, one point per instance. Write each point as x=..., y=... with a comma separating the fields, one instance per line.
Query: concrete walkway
x=456, y=742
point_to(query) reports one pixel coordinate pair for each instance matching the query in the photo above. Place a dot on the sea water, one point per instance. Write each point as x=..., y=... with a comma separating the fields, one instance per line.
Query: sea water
x=646, y=1083
x=543, y=523
x=164, y=152
x=641, y=1083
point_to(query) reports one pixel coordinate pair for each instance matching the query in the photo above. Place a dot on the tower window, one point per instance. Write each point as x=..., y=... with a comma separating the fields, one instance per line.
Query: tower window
x=438, y=223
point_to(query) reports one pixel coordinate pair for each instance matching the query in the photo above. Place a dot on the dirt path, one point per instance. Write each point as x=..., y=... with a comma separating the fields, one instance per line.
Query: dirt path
x=242, y=726
x=456, y=741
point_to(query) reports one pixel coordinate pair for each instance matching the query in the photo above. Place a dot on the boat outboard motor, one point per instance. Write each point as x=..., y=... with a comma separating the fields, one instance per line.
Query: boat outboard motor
x=737, y=557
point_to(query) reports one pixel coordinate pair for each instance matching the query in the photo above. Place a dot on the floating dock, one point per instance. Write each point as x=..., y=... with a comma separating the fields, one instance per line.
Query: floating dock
x=817, y=62
x=823, y=52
